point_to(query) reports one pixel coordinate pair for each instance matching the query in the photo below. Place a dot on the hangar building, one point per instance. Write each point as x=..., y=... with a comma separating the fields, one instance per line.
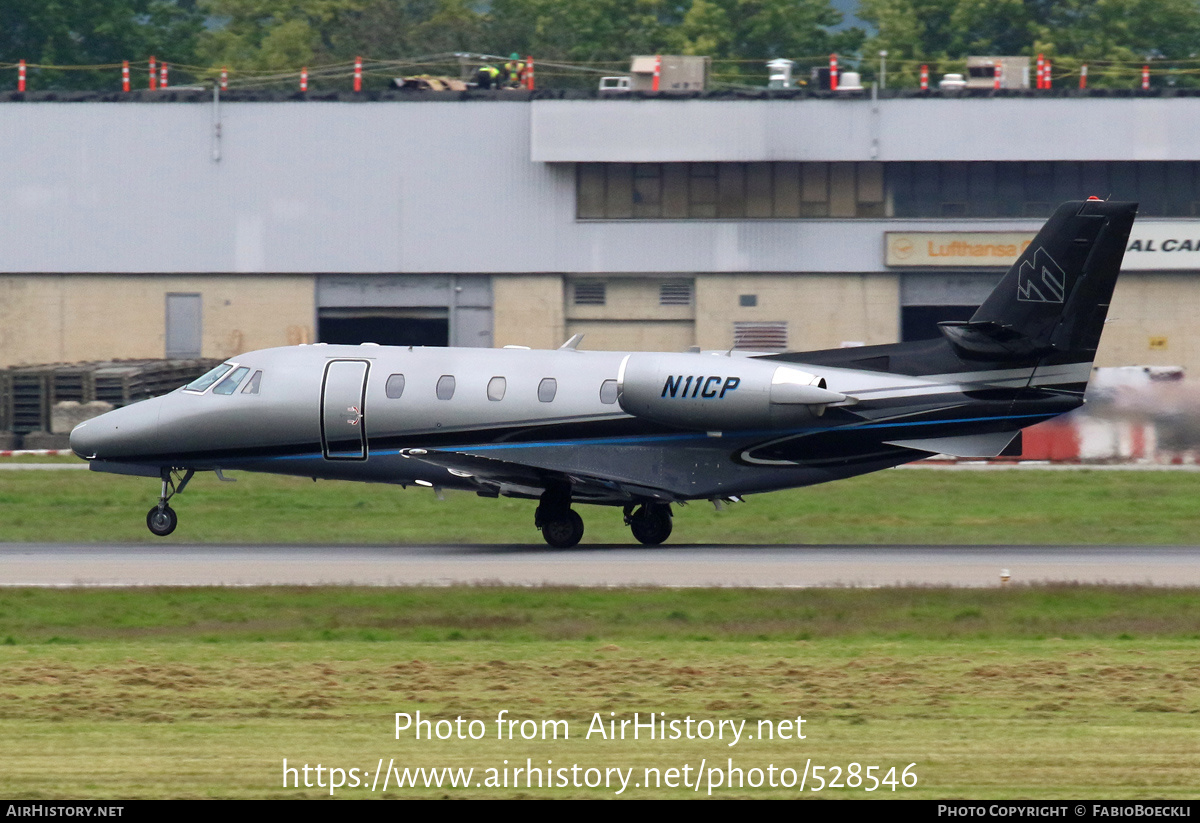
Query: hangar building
x=141, y=226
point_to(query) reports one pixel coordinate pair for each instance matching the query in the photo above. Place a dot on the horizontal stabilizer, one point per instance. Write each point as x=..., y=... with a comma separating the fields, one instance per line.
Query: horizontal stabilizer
x=972, y=445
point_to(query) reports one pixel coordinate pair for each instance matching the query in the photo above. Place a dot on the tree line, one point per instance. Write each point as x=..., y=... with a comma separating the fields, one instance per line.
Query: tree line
x=80, y=44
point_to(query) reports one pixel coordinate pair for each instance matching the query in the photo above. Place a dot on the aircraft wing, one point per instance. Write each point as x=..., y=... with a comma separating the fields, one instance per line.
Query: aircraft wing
x=519, y=479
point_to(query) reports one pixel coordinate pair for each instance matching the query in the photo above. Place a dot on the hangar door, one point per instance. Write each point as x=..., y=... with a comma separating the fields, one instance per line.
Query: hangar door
x=405, y=309
x=927, y=298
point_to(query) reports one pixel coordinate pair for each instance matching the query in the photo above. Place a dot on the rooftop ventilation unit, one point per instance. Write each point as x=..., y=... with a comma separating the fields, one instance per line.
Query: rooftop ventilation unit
x=981, y=72
x=674, y=72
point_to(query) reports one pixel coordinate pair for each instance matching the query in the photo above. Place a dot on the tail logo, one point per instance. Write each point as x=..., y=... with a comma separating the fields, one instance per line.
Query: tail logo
x=1041, y=280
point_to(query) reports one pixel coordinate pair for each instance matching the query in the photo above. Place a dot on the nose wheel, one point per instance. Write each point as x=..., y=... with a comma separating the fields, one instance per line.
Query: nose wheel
x=162, y=520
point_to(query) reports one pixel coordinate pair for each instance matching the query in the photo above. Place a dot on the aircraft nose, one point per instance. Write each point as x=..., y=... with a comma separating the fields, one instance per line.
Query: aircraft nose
x=127, y=432
x=81, y=441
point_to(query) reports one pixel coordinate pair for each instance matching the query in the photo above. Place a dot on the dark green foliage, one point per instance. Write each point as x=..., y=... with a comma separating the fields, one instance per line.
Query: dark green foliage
x=1115, y=37
x=95, y=32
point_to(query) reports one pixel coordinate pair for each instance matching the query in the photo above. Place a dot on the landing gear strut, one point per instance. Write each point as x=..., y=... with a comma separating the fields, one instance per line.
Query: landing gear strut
x=650, y=524
x=561, y=526
x=161, y=519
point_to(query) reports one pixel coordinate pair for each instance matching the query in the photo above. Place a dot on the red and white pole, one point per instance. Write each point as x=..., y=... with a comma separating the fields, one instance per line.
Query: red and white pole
x=1048, y=78
x=997, y=73
x=153, y=73
x=1083, y=76
x=1146, y=77
x=358, y=74
x=833, y=72
x=304, y=79
x=1041, y=71
x=924, y=78
x=124, y=75
x=162, y=76
x=21, y=76
x=529, y=72
x=224, y=79
x=657, y=72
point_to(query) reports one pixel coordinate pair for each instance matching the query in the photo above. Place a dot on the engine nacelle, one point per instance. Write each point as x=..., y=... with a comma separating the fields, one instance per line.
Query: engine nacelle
x=716, y=393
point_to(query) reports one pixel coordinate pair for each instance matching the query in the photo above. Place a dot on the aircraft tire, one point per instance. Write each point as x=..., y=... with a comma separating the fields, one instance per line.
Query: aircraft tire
x=652, y=524
x=162, y=521
x=563, y=532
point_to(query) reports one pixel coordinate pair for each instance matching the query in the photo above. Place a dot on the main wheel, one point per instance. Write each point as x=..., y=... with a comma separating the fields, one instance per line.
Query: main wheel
x=162, y=521
x=651, y=524
x=563, y=532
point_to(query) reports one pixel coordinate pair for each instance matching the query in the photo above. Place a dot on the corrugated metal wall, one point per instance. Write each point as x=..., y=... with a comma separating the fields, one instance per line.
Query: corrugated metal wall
x=465, y=186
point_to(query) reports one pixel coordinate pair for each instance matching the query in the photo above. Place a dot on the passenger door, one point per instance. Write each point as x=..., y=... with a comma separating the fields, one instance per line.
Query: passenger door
x=343, y=410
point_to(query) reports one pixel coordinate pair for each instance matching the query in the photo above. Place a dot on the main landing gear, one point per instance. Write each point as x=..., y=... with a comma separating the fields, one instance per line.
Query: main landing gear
x=561, y=526
x=650, y=524
x=161, y=519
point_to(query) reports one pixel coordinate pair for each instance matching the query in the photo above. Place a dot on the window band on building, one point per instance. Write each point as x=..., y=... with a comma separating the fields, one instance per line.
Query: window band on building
x=790, y=190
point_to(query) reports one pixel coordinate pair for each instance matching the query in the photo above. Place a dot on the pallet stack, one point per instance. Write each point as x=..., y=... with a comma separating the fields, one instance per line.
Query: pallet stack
x=29, y=393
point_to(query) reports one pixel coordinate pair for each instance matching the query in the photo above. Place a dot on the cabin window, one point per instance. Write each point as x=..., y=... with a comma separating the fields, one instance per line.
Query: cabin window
x=202, y=383
x=445, y=387
x=496, y=388
x=394, y=386
x=608, y=392
x=547, y=389
x=252, y=386
x=229, y=384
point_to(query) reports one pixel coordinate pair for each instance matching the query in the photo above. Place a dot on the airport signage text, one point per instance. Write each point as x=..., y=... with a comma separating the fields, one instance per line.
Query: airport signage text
x=1172, y=245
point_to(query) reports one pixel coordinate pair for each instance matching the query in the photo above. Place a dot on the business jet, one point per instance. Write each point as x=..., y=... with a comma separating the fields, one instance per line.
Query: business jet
x=639, y=430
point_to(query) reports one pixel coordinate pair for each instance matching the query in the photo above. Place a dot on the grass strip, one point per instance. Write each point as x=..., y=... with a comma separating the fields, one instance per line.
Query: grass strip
x=891, y=507
x=498, y=614
x=1031, y=692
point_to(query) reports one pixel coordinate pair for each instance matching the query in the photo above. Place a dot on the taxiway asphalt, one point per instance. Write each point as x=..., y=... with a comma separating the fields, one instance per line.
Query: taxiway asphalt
x=28, y=564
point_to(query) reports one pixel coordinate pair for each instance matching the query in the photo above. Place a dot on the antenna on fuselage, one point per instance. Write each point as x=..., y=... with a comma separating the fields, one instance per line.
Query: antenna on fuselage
x=572, y=344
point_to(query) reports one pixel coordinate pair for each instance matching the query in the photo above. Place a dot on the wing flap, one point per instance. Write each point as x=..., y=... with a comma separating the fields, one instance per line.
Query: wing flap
x=513, y=479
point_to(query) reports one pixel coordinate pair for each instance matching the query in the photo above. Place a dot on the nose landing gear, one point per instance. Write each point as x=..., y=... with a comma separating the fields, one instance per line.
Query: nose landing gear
x=162, y=520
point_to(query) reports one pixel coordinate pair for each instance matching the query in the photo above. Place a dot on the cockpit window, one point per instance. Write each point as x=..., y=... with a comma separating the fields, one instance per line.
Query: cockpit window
x=229, y=384
x=252, y=386
x=201, y=384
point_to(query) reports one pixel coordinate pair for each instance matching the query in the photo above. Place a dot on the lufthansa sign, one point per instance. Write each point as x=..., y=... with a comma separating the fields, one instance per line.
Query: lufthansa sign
x=1170, y=245
x=954, y=248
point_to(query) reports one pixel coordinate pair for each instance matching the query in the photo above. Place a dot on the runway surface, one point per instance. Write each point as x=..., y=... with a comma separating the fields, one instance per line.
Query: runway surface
x=753, y=566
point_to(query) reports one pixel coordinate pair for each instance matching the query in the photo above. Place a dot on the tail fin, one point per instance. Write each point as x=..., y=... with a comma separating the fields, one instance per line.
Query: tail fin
x=1054, y=299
